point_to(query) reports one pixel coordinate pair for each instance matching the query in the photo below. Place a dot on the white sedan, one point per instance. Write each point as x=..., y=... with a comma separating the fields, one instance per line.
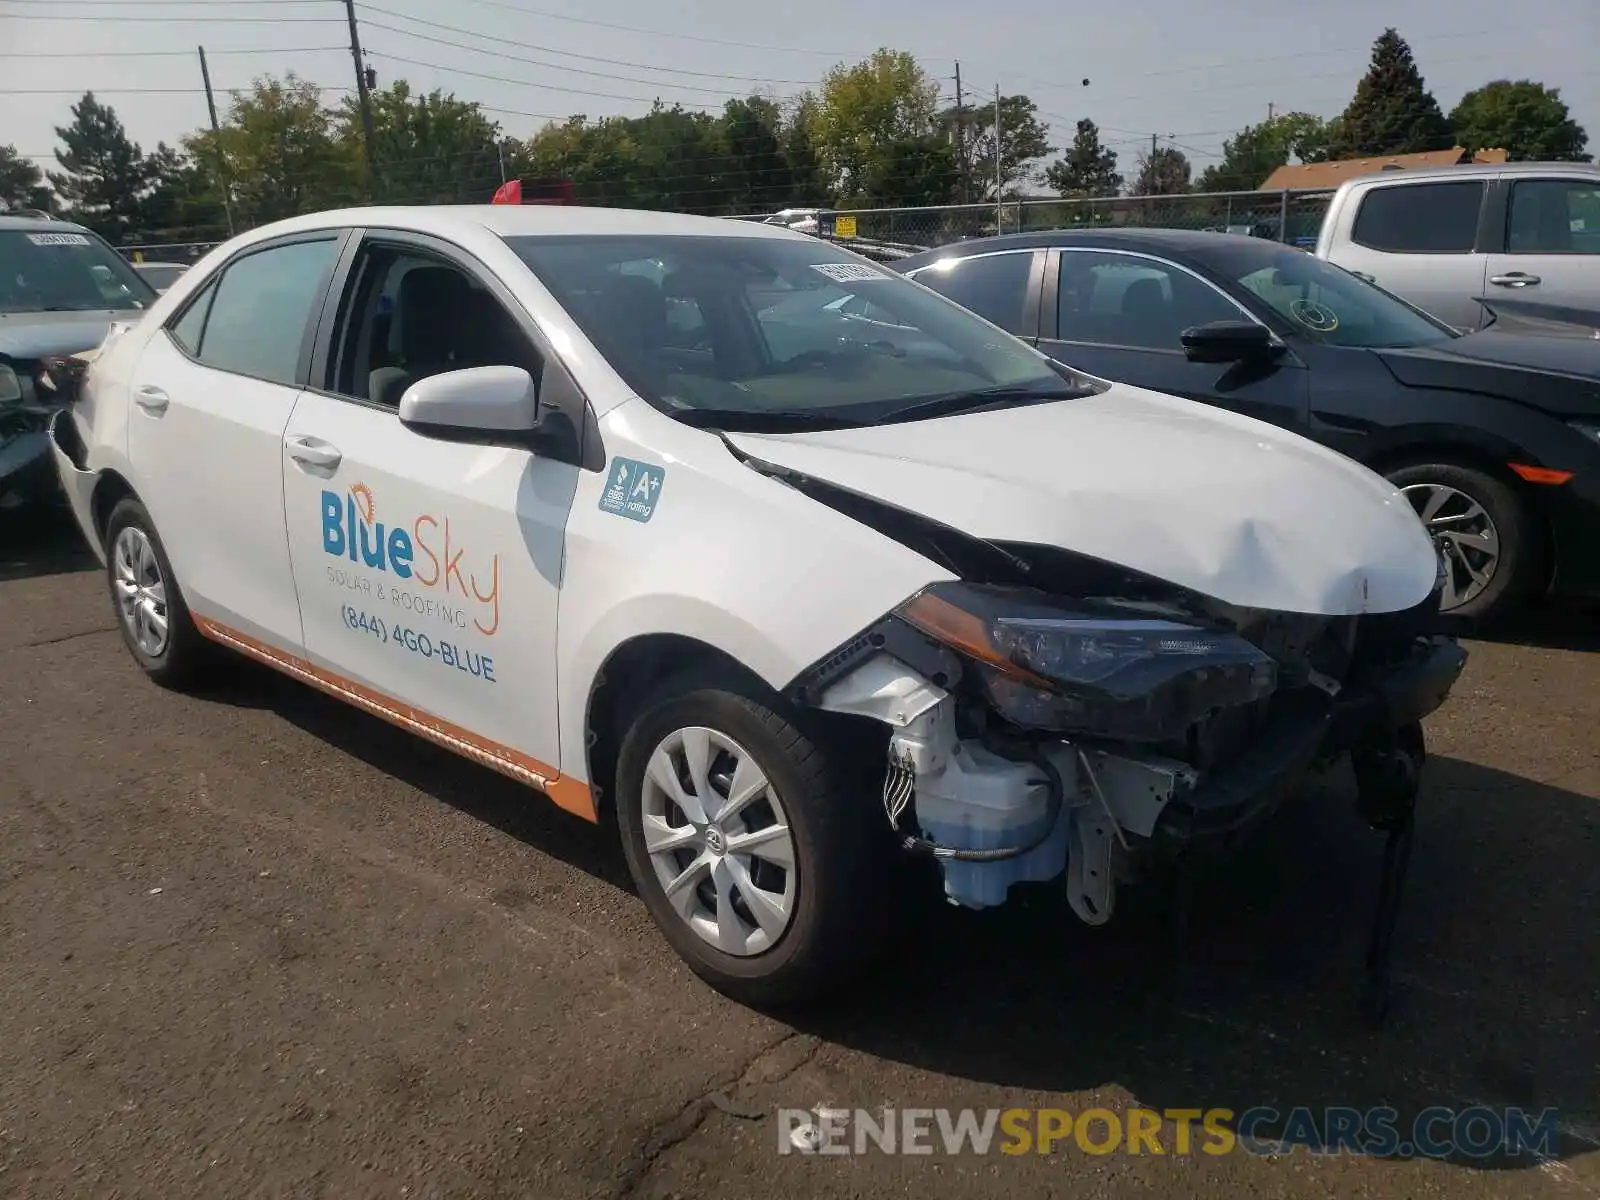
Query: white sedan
x=787, y=616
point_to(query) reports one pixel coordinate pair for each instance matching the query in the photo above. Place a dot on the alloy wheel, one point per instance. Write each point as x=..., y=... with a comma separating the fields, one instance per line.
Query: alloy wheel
x=719, y=841
x=141, y=592
x=1465, y=536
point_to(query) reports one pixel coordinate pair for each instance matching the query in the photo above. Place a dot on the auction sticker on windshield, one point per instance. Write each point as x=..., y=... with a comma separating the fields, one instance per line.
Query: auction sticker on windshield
x=848, y=272
x=58, y=239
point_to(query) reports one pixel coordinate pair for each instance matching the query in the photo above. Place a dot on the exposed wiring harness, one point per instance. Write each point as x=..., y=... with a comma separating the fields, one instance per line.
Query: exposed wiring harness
x=899, y=786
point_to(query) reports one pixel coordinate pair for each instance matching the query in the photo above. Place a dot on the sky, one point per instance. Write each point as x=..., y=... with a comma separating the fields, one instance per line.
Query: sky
x=1192, y=74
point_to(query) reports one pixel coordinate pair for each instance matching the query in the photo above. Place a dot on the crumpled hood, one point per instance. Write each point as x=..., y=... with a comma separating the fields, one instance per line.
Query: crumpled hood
x=37, y=335
x=1221, y=504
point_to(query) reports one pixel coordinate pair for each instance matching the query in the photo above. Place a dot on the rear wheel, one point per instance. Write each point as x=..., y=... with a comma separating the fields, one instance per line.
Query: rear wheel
x=1488, y=539
x=764, y=870
x=154, y=620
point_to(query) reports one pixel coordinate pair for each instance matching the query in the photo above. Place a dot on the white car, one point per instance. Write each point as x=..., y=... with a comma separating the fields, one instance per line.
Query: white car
x=785, y=621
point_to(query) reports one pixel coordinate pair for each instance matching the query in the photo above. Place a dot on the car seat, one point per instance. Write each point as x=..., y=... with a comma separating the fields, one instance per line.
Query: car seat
x=436, y=317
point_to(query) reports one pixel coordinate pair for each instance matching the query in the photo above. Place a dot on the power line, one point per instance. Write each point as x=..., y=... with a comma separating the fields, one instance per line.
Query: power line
x=164, y=53
x=553, y=87
x=504, y=41
x=687, y=37
x=434, y=39
x=187, y=20
x=99, y=91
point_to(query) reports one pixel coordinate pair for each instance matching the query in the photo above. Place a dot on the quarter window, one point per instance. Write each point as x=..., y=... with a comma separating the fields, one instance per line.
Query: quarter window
x=260, y=310
x=995, y=286
x=1120, y=300
x=1420, y=218
x=1554, y=216
x=187, y=329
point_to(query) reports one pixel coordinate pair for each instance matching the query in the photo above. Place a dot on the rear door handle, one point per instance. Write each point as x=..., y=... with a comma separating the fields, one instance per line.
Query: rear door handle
x=313, y=452
x=1514, y=279
x=151, y=399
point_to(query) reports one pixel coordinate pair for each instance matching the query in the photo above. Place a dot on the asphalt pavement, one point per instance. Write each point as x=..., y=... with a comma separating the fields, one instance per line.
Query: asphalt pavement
x=256, y=944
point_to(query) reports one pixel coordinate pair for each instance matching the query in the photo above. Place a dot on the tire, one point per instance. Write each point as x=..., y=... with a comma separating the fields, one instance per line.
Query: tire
x=838, y=842
x=178, y=660
x=1518, y=567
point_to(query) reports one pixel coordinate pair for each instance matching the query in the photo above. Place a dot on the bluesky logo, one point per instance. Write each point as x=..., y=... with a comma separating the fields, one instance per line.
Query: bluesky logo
x=349, y=527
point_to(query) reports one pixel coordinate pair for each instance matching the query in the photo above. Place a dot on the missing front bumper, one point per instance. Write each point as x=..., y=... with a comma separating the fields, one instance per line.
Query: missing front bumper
x=1369, y=712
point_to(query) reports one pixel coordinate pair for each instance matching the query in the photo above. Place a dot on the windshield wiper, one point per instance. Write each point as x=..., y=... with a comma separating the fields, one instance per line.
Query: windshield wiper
x=756, y=420
x=1005, y=396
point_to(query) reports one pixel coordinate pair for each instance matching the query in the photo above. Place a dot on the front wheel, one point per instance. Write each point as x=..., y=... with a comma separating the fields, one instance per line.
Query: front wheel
x=764, y=870
x=1488, y=539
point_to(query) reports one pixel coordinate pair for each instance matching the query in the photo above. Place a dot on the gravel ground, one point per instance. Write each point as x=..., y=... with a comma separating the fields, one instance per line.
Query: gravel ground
x=253, y=943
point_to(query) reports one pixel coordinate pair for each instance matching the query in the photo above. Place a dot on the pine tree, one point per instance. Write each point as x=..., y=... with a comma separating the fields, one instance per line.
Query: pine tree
x=1392, y=111
x=104, y=175
x=1088, y=169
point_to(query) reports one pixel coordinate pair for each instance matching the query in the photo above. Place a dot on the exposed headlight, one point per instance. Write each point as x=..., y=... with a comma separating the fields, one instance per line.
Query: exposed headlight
x=10, y=385
x=1094, y=672
x=1590, y=429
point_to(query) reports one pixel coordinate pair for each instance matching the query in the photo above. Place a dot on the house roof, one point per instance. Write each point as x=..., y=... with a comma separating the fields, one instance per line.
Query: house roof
x=1332, y=174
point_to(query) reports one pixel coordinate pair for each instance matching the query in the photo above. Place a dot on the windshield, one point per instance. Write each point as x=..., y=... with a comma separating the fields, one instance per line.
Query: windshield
x=1329, y=304
x=66, y=271
x=745, y=326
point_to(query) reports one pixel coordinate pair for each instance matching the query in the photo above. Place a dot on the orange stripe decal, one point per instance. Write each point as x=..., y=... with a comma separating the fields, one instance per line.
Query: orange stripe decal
x=570, y=794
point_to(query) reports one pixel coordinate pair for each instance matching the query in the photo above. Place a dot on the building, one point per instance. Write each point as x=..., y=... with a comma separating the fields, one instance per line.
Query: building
x=1329, y=175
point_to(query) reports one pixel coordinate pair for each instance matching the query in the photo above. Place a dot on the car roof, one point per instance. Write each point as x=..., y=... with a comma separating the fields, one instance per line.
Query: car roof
x=39, y=224
x=1169, y=241
x=1471, y=171
x=532, y=220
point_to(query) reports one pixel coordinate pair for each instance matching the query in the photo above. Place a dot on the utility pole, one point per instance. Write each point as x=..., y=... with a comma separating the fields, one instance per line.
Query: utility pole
x=216, y=135
x=361, y=90
x=961, y=138
x=998, y=139
x=1269, y=110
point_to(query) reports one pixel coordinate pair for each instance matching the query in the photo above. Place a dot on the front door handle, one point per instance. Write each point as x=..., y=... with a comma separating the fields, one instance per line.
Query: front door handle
x=1514, y=279
x=313, y=452
x=151, y=399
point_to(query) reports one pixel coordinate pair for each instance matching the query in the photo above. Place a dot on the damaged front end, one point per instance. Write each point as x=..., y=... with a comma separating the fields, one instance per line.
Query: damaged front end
x=32, y=391
x=1056, y=716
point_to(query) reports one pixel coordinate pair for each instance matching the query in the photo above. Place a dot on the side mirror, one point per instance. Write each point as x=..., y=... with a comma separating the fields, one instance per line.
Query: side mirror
x=493, y=405
x=1228, y=342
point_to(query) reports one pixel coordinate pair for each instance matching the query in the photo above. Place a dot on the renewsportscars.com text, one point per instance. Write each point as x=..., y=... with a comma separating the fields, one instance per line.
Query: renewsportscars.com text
x=1438, y=1132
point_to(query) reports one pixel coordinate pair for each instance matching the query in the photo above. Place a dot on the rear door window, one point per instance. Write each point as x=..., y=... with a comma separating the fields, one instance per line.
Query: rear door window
x=262, y=307
x=1553, y=216
x=1420, y=218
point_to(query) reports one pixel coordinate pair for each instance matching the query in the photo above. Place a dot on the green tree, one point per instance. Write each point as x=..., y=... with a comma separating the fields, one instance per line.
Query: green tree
x=1087, y=169
x=1256, y=151
x=104, y=174
x=281, y=151
x=185, y=204
x=887, y=99
x=912, y=171
x=807, y=180
x=1024, y=140
x=432, y=149
x=21, y=182
x=755, y=174
x=1527, y=120
x=1392, y=111
x=1163, y=172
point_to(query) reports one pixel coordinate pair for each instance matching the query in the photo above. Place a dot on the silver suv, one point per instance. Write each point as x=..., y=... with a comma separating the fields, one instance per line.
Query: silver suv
x=1443, y=237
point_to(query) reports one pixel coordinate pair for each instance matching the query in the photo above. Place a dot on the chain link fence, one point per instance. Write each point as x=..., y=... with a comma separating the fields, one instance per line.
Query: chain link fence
x=1293, y=217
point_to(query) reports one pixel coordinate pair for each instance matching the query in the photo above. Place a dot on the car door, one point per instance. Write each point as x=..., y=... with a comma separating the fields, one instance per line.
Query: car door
x=213, y=392
x=1421, y=241
x=1552, y=242
x=1121, y=315
x=1001, y=286
x=428, y=570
